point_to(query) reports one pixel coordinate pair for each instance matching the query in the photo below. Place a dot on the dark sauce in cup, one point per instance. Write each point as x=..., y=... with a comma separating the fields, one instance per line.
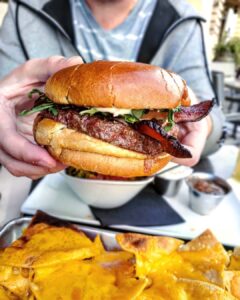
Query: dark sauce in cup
x=208, y=187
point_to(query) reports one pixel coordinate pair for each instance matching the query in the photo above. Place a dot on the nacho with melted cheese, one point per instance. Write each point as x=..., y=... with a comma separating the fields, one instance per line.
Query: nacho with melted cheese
x=84, y=280
x=4, y=294
x=232, y=282
x=48, y=246
x=148, y=250
x=55, y=261
x=207, y=256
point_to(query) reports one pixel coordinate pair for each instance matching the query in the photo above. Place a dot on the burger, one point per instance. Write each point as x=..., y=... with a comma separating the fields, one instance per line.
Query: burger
x=114, y=118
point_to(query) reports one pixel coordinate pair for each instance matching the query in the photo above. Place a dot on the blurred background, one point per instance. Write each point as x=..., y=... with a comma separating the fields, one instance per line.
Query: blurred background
x=222, y=31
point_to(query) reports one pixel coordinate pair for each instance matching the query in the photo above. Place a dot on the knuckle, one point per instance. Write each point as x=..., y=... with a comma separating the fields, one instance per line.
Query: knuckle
x=29, y=64
x=76, y=59
x=55, y=59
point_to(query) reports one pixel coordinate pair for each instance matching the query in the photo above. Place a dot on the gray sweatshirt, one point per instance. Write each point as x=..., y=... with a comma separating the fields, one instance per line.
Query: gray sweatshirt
x=173, y=40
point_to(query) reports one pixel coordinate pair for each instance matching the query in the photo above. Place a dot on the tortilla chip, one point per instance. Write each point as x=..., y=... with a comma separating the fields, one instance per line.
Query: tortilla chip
x=83, y=280
x=206, y=242
x=207, y=255
x=135, y=242
x=49, y=246
x=4, y=295
x=232, y=282
x=164, y=286
x=15, y=280
x=197, y=290
x=54, y=261
x=121, y=263
x=168, y=287
x=148, y=249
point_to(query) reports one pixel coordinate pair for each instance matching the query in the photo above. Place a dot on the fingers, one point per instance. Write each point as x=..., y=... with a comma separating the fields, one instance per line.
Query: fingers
x=22, y=158
x=41, y=69
x=24, y=125
x=19, y=168
x=194, y=140
x=19, y=155
x=34, y=72
x=21, y=149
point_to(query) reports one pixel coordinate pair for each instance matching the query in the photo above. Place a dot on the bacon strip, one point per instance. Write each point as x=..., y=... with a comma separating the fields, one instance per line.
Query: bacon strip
x=193, y=113
x=169, y=143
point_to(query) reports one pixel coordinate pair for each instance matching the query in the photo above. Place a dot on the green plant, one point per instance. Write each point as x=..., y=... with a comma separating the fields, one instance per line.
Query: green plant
x=234, y=46
x=222, y=48
x=228, y=48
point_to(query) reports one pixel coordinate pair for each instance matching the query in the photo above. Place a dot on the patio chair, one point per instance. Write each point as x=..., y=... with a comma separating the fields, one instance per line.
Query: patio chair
x=232, y=115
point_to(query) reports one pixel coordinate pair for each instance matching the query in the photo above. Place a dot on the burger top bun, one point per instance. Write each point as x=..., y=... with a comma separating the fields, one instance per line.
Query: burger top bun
x=117, y=84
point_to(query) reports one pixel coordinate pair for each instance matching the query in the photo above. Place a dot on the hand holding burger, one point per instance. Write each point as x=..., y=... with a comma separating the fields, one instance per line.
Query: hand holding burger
x=115, y=118
x=18, y=150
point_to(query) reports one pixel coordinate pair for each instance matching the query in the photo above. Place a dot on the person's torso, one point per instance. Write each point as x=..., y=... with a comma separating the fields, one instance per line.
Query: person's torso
x=46, y=28
x=121, y=43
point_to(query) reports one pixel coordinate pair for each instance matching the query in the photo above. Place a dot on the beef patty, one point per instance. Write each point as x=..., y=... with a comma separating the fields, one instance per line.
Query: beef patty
x=107, y=129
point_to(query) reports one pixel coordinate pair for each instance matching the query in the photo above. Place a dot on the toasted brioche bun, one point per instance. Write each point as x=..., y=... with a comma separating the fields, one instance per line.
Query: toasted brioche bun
x=84, y=152
x=118, y=84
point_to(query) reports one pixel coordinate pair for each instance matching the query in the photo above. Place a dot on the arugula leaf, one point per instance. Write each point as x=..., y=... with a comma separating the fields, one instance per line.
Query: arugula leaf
x=138, y=113
x=34, y=91
x=91, y=111
x=135, y=115
x=36, y=109
x=130, y=118
x=171, y=122
x=170, y=116
x=53, y=111
x=46, y=103
x=177, y=109
x=168, y=127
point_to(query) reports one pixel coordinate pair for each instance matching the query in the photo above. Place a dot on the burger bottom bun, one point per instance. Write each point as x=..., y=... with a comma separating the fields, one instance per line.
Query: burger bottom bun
x=81, y=151
x=110, y=165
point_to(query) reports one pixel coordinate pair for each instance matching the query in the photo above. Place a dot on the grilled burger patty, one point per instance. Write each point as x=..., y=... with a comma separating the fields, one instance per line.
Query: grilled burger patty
x=108, y=129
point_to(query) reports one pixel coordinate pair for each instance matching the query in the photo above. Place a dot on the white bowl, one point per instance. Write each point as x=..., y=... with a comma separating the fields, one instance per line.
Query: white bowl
x=105, y=193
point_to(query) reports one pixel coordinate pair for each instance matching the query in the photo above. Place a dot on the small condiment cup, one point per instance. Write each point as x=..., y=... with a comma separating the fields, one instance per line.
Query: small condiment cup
x=168, y=182
x=201, y=202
